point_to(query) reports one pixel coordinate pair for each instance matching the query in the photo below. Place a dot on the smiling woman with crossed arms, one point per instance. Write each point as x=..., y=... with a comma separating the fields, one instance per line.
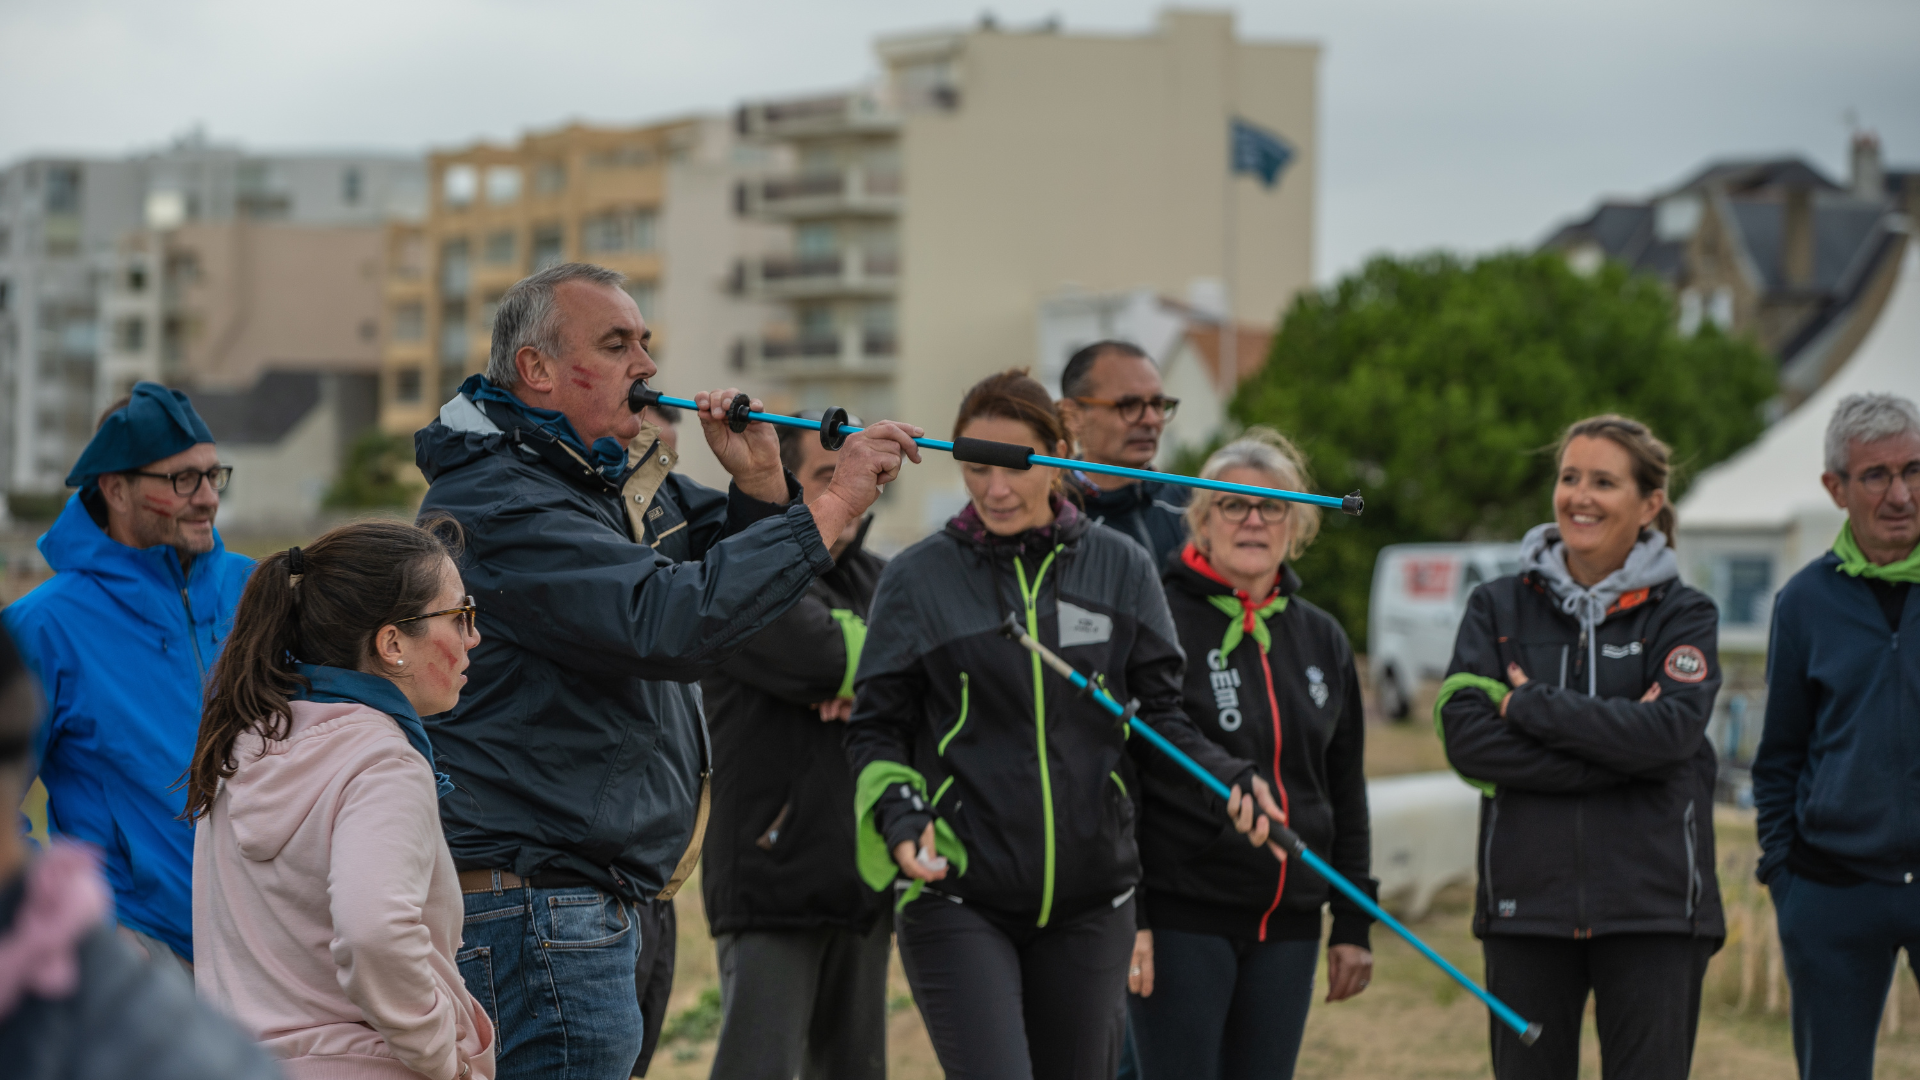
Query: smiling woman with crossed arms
x=1577, y=702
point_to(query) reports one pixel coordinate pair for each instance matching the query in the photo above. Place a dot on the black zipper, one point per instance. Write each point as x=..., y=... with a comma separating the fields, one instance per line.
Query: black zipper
x=193, y=636
x=1580, y=870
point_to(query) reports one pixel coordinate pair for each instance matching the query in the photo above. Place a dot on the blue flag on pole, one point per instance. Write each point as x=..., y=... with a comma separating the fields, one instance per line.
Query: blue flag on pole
x=1259, y=152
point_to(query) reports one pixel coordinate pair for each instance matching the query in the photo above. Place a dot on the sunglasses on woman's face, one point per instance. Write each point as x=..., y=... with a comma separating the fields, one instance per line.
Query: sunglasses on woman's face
x=467, y=612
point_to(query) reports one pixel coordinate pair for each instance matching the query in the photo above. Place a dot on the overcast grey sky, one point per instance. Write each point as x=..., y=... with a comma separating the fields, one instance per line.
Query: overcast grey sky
x=1464, y=124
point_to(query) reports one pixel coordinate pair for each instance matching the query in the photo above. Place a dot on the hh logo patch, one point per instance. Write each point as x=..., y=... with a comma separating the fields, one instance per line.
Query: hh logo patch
x=1686, y=664
x=1078, y=626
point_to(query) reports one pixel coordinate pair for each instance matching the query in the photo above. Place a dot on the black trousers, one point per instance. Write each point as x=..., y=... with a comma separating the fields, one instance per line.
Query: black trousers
x=1646, y=990
x=803, y=1003
x=653, y=973
x=1005, y=1000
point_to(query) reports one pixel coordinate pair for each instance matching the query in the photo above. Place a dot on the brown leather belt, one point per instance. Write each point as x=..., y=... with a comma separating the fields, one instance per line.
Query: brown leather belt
x=498, y=881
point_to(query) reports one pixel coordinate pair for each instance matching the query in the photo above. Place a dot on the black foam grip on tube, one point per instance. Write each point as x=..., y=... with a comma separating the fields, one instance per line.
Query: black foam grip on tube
x=639, y=396
x=985, y=452
x=737, y=413
x=831, y=421
x=1353, y=504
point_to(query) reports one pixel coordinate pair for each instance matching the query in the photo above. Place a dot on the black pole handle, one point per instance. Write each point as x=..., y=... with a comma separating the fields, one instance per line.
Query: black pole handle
x=986, y=452
x=831, y=421
x=737, y=413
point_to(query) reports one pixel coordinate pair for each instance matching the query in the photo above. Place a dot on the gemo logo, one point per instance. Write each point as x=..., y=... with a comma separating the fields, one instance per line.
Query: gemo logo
x=1226, y=690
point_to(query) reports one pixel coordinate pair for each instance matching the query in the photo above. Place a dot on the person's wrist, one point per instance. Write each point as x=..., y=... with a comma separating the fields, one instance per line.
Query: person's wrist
x=769, y=485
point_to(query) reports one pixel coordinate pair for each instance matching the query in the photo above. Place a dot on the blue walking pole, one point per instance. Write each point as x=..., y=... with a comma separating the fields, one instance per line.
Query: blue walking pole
x=1285, y=841
x=834, y=429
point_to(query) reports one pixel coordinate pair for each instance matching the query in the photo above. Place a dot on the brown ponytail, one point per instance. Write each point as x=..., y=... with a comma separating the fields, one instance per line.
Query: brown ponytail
x=352, y=581
x=1649, y=455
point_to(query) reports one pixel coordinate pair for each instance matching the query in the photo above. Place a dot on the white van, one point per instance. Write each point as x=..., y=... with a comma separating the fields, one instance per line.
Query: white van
x=1419, y=596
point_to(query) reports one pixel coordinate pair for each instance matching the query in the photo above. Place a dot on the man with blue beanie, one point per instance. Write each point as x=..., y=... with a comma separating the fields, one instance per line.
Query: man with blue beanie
x=123, y=639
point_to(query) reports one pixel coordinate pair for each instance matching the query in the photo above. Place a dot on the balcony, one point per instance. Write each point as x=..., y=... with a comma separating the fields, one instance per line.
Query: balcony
x=837, y=114
x=842, y=354
x=848, y=272
x=852, y=192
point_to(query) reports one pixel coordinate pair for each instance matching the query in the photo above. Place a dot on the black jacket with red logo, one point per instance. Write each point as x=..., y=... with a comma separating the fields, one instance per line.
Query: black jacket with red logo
x=1200, y=875
x=1600, y=819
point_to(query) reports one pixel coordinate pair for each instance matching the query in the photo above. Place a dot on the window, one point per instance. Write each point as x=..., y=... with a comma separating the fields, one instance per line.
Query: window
x=407, y=386
x=549, y=247
x=1743, y=586
x=621, y=157
x=550, y=177
x=643, y=293
x=5, y=288
x=500, y=246
x=130, y=334
x=454, y=271
x=350, y=186
x=136, y=278
x=409, y=322
x=63, y=189
x=503, y=184
x=488, y=311
x=369, y=329
x=815, y=240
x=453, y=331
x=6, y=241
x=459, y=184
x=618, y=230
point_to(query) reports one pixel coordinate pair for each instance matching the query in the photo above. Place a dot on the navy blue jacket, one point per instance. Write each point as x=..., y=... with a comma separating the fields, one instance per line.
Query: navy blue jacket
x=1839, y=761
x=578, y=746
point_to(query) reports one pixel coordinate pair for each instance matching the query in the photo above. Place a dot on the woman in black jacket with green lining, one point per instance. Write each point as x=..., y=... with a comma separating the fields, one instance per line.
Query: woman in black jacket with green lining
x=1577, y=702
x=1229, y=938
x=996, y=788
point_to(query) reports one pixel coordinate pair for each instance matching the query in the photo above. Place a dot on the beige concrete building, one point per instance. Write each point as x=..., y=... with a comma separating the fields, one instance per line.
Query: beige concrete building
x=652, y=202
x=1028, y=163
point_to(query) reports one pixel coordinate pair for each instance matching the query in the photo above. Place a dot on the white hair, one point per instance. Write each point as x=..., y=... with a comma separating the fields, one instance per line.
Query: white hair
x=1866, y=418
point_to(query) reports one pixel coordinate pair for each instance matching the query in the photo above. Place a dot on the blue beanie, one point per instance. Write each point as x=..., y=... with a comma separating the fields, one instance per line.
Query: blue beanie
x=157, y=423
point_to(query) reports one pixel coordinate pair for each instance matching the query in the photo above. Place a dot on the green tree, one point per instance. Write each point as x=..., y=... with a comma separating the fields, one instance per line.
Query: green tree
x=375, y=474
x=1437, y=387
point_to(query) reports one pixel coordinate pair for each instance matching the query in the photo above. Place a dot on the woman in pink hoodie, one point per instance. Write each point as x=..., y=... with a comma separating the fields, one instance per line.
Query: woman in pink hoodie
x=326, y=908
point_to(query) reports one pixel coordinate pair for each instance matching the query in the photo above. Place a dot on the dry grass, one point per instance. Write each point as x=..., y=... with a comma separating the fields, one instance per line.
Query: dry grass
x=1416, y=1023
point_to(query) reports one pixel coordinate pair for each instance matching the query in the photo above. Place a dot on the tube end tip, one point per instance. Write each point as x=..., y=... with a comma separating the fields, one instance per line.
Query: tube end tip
x=1353, y=504
x=1010, y=626
x=1531, y=1035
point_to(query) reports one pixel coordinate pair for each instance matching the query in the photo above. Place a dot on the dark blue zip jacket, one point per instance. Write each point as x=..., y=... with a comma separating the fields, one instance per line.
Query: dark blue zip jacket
x=123, y=643
x=578, y=746
x=1839, y=760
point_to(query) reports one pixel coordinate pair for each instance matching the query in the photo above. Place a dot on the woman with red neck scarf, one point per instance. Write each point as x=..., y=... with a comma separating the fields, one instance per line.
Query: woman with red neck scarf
x=1224, y=961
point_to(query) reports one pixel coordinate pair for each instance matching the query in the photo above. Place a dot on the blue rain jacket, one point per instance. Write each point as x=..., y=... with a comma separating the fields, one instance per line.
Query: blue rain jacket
x=123, y=643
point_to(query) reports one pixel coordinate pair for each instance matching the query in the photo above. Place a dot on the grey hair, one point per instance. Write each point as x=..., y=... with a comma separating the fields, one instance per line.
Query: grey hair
x=1267, y=451
x=1867, y=418
x=525, y=316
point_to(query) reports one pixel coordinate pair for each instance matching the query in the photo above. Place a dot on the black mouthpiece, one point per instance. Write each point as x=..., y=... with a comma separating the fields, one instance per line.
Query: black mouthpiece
x=639, y=396
x=1353, y=504
x=988, y=452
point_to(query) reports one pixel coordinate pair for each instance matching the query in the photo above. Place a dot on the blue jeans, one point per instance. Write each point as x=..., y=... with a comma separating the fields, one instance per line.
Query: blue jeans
x=554, y=969
x=1223, y=1007
x=1840, y=945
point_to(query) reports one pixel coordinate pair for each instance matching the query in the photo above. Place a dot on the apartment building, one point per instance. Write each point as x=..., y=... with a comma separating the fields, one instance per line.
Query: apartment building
x=653, y=202
x=199, y=266
x=930, y=218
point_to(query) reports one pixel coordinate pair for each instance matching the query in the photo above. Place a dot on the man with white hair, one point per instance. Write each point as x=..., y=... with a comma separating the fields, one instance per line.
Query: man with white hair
x=1837, y=777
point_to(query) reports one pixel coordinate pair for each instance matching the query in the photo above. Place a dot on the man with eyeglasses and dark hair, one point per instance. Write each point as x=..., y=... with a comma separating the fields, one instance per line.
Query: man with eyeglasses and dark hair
x=1116, y=410
x=122, y=639
x=1837, y=777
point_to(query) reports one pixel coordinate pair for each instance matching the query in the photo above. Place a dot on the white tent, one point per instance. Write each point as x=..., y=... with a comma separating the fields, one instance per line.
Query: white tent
x=1751, y=522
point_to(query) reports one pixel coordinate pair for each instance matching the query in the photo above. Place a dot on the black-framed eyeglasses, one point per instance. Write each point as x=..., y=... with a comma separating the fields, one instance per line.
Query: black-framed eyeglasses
x=468, y=612
x=187, y=481
x=1133, y=407
x=1235, y=509
x=1879, y=478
